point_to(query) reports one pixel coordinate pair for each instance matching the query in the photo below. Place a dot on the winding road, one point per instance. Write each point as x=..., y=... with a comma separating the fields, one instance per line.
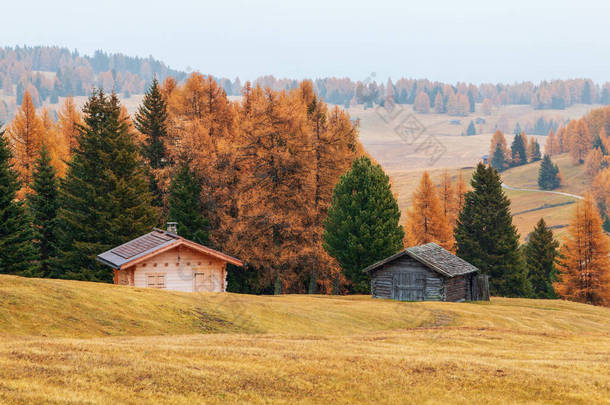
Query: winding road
x=506, y=186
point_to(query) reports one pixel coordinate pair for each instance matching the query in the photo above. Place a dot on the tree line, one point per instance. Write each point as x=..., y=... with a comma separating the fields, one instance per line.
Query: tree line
x=23, y=68
x=278, y=179
x=253, y=178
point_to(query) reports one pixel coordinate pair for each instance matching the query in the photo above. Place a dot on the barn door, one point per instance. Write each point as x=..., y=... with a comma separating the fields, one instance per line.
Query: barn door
x=409, y=286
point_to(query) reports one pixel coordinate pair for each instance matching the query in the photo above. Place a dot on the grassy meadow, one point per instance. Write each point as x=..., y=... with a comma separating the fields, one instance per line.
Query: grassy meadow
x=73, y=342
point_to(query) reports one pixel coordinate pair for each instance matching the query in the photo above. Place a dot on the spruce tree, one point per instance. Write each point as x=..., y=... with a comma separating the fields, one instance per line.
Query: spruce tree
x=151, y=121
x=498, y=160
x=548, y=175
x=540, y=253
x=471, y=130
x=16, y=249
x=43, y=205
x=185, y=206
x=535, y=153
x=104, y=197
x=518, y=150
x=362, y=226
x=487, y=238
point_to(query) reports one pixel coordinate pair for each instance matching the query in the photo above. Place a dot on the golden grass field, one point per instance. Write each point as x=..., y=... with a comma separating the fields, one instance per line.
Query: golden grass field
x=73, y=342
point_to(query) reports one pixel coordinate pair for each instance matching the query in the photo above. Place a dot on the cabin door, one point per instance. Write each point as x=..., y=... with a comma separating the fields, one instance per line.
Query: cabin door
x=408, y=286
x=207, y=281
x=201, y=281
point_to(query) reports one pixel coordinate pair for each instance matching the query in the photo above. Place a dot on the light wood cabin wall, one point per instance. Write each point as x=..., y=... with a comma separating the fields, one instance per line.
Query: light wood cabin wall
x=179, y=273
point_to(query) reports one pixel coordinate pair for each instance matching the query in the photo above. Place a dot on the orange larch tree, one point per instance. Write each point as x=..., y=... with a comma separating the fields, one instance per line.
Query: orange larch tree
x=334, y=145
x=584, y=263
x=25, y=133
x=201, y=128
x=447, y=197
x=69, y=120
x=550, y=148
x=580, y=140
x=426, y=221
x=55, y=143
x=276, y=156
x=461, y=188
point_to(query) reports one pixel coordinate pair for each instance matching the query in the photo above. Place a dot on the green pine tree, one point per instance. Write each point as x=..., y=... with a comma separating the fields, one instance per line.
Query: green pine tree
x=471, y=130
x=518, y=150
x=599, y=144
x=362, y=226
x=43, y=205
x=104, y=197
x=185, y=206
x=540, y=253
x=548, y=174
x=487, y=238
x=151, y=121
x=17, y=253
x=536, y=155
x=498, y=160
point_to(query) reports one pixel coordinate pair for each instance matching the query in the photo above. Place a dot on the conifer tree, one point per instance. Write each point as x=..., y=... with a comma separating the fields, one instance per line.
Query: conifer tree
x=533, y=150
x=185, y=204
x=362, y=226
x=426, y=219
x=471, y=130
x=43, y=206
x=548, y=174
x=487, y=238
x=540, y=254
x=447, y=194
x=584, y=261
x=26, y=133
x=460, y=195
x=580, y=140
x=550, y=148
x=151, y=121
x=104, y=197
x=518, y=150
x=16, y=249
x=498, y=151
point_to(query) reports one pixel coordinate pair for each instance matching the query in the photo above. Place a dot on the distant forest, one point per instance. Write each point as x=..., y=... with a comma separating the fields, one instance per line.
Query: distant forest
x=50, y=72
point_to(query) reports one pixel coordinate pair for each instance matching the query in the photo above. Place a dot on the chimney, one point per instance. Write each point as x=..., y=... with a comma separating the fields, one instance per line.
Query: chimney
x=172, y=227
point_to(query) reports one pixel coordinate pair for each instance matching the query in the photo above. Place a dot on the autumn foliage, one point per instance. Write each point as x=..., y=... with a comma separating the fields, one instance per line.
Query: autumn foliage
x=584, y=263
x=433, y=213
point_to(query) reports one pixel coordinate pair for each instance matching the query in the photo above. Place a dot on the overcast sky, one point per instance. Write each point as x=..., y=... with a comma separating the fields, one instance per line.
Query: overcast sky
x=473, y=41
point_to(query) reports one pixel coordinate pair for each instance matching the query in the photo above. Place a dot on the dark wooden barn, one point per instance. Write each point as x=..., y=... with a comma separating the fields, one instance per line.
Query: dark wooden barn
x=427, y=273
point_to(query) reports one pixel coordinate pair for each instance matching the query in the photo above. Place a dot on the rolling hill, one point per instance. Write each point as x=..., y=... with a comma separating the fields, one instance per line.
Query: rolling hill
x=77, y=342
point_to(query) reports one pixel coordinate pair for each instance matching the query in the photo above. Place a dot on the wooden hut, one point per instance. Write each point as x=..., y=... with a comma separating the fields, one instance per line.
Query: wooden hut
x=427, y=273
x=162, y=259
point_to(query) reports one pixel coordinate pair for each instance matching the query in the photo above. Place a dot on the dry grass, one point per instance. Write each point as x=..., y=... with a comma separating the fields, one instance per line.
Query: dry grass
x=361, y=351
x=526, y=176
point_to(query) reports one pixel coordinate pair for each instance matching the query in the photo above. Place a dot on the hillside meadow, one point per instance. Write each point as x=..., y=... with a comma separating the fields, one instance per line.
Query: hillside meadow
x=73, y=342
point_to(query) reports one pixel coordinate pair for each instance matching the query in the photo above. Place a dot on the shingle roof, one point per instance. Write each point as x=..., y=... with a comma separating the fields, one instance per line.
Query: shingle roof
x=434, y=257
x=151, y=242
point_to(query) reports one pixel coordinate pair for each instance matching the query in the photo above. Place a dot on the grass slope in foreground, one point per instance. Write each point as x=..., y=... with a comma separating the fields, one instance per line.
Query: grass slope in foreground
x=287, y=349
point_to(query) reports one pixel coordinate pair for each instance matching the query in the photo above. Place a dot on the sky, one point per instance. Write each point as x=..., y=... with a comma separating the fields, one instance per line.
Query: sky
x=449, y=41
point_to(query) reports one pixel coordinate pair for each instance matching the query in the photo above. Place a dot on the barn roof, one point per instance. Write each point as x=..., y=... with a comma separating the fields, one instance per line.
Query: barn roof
x=152, y=243
x=434, y=257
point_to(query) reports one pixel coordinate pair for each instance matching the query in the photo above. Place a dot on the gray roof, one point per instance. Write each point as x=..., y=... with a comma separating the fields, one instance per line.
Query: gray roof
x=151, y=242
x=433, y=256
x=137, y=247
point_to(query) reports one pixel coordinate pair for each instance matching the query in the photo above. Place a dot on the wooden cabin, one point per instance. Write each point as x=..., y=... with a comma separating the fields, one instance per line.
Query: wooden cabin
x=162, y=259
x=427, y=273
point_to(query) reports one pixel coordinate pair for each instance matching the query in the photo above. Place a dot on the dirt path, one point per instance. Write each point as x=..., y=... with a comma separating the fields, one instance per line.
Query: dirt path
x=542, y=191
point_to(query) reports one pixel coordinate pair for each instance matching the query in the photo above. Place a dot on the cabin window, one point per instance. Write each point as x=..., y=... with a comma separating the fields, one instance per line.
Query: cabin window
x=155, y=280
